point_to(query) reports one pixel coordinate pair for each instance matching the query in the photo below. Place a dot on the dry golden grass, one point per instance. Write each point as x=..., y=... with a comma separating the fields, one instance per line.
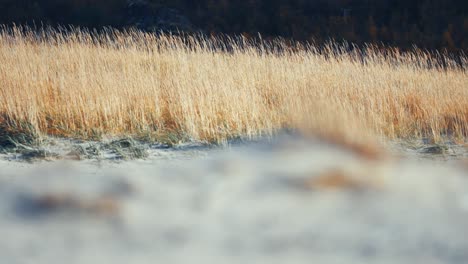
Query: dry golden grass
x=77, y=84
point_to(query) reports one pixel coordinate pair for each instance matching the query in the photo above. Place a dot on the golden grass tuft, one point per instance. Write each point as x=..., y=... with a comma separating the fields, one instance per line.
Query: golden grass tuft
x=82, y=84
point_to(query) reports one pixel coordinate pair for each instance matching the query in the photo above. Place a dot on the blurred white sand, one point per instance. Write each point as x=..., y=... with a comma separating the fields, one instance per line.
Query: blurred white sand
x=284, y=202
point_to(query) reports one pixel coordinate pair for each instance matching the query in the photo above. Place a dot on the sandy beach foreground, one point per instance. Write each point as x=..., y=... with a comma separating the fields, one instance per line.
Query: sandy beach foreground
x=285, y=202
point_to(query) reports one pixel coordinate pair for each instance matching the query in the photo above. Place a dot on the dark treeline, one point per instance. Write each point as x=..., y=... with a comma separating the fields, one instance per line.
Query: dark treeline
x=430, y=24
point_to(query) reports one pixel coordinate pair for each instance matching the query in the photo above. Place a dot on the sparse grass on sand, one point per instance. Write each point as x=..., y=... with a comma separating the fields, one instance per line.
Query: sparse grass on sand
x=169, y=88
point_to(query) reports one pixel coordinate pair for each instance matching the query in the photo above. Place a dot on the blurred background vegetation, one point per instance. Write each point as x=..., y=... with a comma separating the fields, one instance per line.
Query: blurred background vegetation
x=431, y=24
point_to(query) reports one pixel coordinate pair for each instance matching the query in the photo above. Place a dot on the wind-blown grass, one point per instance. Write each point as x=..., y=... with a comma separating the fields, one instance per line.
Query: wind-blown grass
x=162, y=87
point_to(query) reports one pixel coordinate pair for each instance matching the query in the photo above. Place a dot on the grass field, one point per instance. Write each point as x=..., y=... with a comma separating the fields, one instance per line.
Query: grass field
x=91, y=169
x=169, y=88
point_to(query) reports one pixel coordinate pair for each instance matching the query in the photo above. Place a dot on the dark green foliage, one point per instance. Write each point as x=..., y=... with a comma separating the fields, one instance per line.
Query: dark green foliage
x=35, y=154
x=433, y=24
x=121, y=149
x=18, y=135
x=126, y=148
